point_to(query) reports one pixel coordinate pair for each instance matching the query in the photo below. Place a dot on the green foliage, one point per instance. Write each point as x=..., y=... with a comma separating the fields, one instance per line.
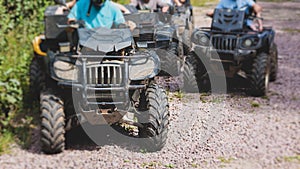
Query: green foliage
x=5, y=140
x=202, y=2
x=295, y=159
x=179, y=95
x=255, y=104
x=20, y=22
x=122, y=1
x=225, y=160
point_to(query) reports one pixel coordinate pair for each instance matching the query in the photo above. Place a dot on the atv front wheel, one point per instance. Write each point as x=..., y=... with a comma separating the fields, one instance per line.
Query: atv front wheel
x=170, y=60
x=37, y=79
x=186, y=41
x=52, y=123
x=189, y=78
x=274, y=62
x=195, y=75
x=259, y=77
x=155, y=128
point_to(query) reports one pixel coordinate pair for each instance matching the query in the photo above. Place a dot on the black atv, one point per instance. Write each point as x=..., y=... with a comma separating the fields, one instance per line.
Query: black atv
x=160, y=32
x=183, y=18
x=230, y=46
x=97, y=76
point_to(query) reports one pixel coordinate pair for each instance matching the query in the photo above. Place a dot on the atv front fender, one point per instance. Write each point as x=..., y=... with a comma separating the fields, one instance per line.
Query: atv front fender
x=36, y=42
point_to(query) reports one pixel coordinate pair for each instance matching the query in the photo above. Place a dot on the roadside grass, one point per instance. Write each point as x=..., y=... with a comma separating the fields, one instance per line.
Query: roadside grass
x=292, y=159
x=179, y=94
x=152, y=164
x=202, y=2
x=255, y=104
x=226, y=160
x=16, y=112
x=194, y=165
x=6, y=139
x=291, y=30
x=122, y=1
x=289, y=159
x=156, y=164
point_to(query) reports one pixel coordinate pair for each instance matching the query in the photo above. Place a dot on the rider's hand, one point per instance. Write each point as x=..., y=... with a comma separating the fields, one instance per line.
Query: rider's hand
x=71, y=20
x=179, y=4
x=127, y=11
x=260, y=28
x=210, y=14
x=165, y=9
x=131, y=25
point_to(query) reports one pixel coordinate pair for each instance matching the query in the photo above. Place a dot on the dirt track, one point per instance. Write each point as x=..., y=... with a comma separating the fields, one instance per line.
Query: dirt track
x=218, y=131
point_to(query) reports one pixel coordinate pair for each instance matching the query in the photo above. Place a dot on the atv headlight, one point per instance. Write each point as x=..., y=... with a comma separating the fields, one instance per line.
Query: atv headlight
x=250, y=42
x=144, y=68
x=247, y=43
x=200, y=38
x=65, y=70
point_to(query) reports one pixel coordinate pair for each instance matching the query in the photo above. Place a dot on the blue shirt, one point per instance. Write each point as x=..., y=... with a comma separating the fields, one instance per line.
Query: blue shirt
x=104, y=16
x=243, y=5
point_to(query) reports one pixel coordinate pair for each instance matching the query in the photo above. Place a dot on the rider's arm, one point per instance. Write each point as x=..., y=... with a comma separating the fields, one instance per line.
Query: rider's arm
x=121, y=7
x=118, y=17
x=165, y=7
x=177, y=3
x=258, y=9
x=70, y=4
x=73, y=15
x=211, y=13
x=161, y=3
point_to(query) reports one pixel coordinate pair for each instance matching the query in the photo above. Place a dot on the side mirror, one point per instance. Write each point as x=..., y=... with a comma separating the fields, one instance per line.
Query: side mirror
x=61, y=2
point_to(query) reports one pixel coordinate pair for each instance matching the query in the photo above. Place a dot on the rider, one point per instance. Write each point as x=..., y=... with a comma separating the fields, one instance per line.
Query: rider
x=174, y=2
x=122, y=8
x=244, y=5
x=149, y=4
x=96, y=13
x=182, y=2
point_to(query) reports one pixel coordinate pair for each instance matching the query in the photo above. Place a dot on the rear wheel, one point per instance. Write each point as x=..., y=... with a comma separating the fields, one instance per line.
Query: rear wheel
x=259, y=76
x=156, y=119
x=52, y=123
x=37, y=79
x=170, y=61
x=274, y=62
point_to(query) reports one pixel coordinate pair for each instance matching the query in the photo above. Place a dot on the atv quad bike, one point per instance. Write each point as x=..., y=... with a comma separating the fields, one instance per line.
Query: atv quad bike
x=239, y=51
x=157, y=31
x=183, y=18
x=97, y=76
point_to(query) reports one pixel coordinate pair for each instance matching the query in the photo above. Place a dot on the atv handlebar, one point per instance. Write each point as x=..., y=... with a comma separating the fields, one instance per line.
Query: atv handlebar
x=74, y=26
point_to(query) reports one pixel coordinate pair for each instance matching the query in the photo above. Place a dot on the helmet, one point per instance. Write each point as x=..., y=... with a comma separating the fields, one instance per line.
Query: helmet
x=97, y=3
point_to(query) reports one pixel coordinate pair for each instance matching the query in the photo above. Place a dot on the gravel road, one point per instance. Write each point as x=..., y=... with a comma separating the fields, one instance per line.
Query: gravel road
x=206, y=131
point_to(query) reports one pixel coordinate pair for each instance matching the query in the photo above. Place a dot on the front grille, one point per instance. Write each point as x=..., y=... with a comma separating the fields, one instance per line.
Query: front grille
x=224, y=43
x=104, y=75
x=222, y=56
x=146, y=37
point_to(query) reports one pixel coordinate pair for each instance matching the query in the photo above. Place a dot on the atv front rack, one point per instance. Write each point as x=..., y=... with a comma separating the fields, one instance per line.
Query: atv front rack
x=87, y=85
